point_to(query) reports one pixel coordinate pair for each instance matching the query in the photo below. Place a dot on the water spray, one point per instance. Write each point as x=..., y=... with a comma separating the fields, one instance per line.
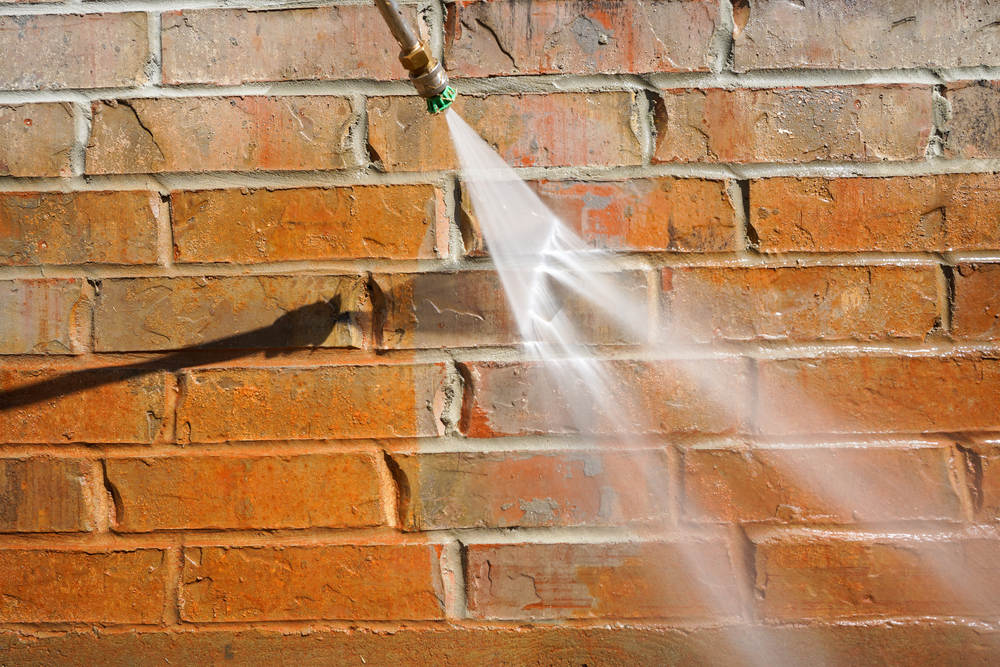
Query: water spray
x=426, y=73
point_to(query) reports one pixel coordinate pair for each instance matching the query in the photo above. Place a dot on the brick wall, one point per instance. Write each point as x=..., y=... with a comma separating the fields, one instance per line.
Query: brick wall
x=261, y=400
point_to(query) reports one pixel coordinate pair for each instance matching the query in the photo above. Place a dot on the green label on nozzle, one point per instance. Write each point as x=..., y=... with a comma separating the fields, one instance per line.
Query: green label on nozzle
x=440, y=102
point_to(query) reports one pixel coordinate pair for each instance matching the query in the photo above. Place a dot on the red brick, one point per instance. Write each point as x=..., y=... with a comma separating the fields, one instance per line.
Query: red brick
x=636, y=397
x=901, y=214
x=232, y=312
x=691, y=580
x=79, y=227
x=801, y=303
x=220, y=134
x=40, y=316
x=38, y=140
x=373, y=582
x=868, y=35
x=983, y=473
x=227, y=47
x=100, y=405
x=880, y=394
x=558, y=129
x=363, y=221
x=793, y=124
x=72, y=586
x=223, y=404
x=864, y=576
x=821, y=484
x=46, y=495
x=534, y=489
x=502, y=37
x=73, y=51
x=973, y=128
x=976, y=308
x=245, y=492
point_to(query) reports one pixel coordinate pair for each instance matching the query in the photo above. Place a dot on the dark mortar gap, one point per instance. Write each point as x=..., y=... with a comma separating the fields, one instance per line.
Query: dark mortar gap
x=753, y=239
x=113, y=493
x=974, y=474
x=402, y=483
x=949, y=277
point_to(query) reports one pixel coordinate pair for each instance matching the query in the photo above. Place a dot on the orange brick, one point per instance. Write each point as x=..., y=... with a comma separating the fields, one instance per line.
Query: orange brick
x=973, y=129
x=46, y=495
x=983, y=474
x=363, y=221
x=374, y=582
x=801, y=303
x=502, y=37
x=37, y=140
x=220, y=134
x=901, y=214
x=223, y=404
x=245, y=492
x=72, y=586
x=73, y=51
x=559, y=129
x=793, y=124
x=39, y=316
x=976, y=308
x=692, y=580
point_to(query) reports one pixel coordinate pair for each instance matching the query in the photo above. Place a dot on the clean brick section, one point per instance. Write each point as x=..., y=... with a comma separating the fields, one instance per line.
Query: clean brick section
x=220, y=134
x=902, y=214
x=223, y=404
x=240, y=312
x=560, y=129
x=668, y=580
x=46, y=495
x=37, y=140
x=228, y=47
x=245, y=492
x=362, y=221
x=976, y=313
x=73, y=51
x=79, y=227
x=500, y=37
x=793, y=124
x=813, y=484
x=828, y=302
x=534, y=489
x=39, y=316
x=96, y=586
x=374, y=582
x=973, y=129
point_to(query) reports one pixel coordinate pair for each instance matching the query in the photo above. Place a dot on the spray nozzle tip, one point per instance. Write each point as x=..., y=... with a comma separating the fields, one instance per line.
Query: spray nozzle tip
x=441, y=101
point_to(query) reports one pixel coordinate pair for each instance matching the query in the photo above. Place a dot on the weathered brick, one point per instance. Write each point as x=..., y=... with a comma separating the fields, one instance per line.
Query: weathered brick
x=223, y=404
x=879, y=394
x=983, y=474
x=37, y=140
x=502, y=37
x=820, y=484
x=666, y=580
x=976, y=307
x=232, y=312
x=867, y=35
x=859, y=576
x=363, y=221
x=79, y=227
x=46, y=495
x=973, y=129
x=372, y=582
x=559, y=129
x=506, y=489
x=605, y=397
x=801, y=303
x=98, y=586
x=39, y=316
x=228, y=47
x=220, y=134
x=73, y=51
x=100, y=405
x=245, y=492
x=793, y=124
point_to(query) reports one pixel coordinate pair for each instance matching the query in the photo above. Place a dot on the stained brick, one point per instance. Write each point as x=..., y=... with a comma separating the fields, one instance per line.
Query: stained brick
x=802, y=303
x=793, y=124
x=690, y=580
x=73, y=586
x=39, y=316
x=223, y=404
x=37, y=140
x=364, y=221
x=559, y=129
x=228, y=47
x=374, y=582
x=73, y=51
x=247, y=492
x=976, y=308
x=973, y=128
x=983, y=473
x=220, y=134
x=502, y=37
x=46, y=495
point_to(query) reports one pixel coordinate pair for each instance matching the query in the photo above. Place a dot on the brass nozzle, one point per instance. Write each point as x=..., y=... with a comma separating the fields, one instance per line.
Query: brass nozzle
x=426, y=73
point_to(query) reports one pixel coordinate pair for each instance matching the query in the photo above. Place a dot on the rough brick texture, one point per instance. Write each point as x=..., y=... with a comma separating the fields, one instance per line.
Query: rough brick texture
x=46, y=495
x=39, y=316
x=976, y=313
x=973, y=129
x=38, y=139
